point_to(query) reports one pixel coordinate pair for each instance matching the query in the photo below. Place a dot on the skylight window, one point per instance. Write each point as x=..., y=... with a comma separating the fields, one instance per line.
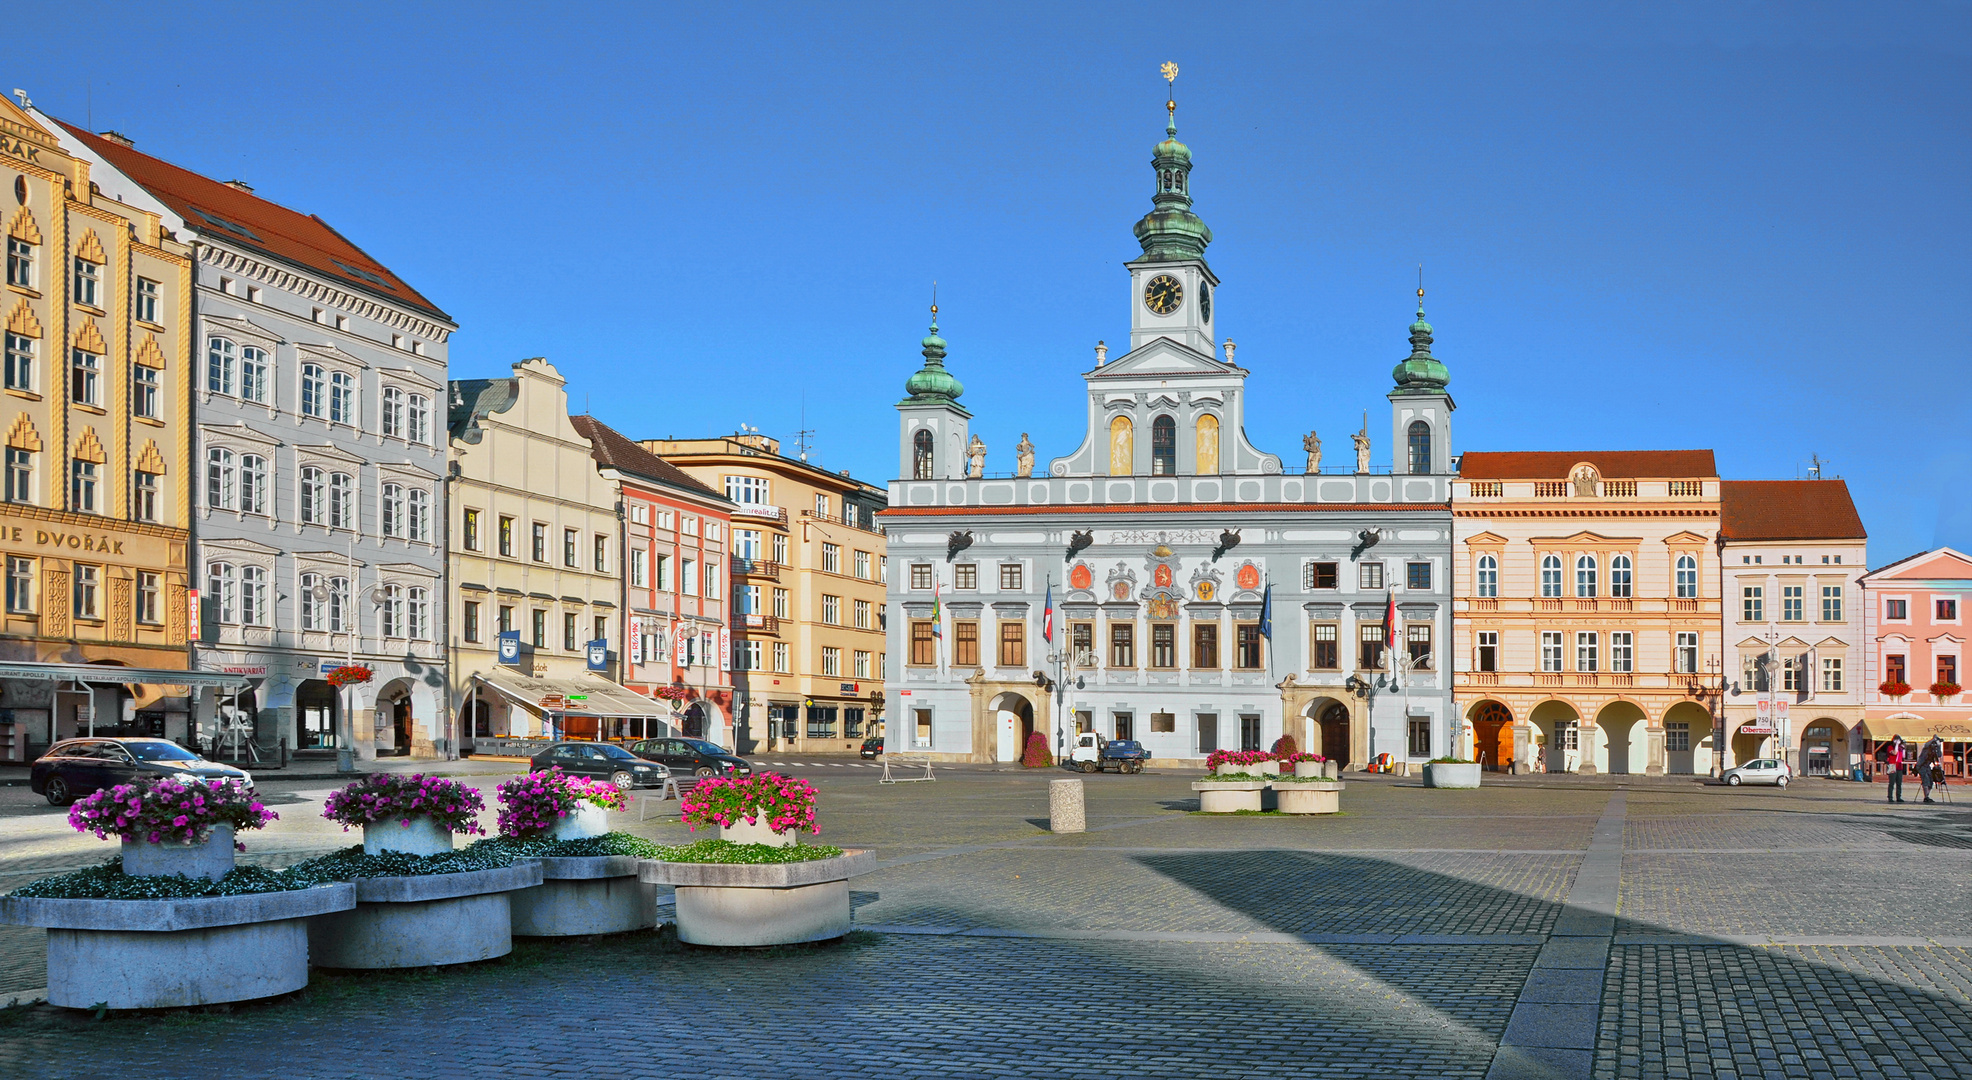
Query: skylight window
x=363, y=274
x=221, y=223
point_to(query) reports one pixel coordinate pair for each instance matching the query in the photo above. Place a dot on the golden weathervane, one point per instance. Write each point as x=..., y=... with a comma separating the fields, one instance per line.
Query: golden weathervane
x=1170, y=71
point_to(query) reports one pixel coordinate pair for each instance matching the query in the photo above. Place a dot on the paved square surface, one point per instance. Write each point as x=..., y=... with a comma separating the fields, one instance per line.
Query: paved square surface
x=1815, y=932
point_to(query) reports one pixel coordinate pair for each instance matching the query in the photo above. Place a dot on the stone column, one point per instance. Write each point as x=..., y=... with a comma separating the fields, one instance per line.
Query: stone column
x=1654, y=763
x=1523, y=748
x=1588, y=735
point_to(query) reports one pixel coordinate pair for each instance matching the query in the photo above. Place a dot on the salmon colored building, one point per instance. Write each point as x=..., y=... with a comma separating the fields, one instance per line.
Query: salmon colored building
x=1917, y=622
x=1586, y=609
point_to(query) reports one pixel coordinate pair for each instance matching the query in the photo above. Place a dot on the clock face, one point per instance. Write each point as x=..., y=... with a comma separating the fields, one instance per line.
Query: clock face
x=1205, y=301
x=1163, y=294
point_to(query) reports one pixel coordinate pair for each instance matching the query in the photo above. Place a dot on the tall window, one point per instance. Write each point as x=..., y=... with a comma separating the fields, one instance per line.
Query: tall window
x=1420, y=446
x=86, y=591
x=393, y=412
x=253, y=484
x=832, y=558
x=417, y=515
x=1685, y=654
x=85, y=487
x=1622, y=651
x=1831, y=675
x=417, y=419
x=222, y=479
x=1010, y=577
x=781, y=657
x=832, y=610
x=342, y=398
x=862, y=615
x=569, y=544
x=1082, y=643
x=1831, y=603
x=600, y=545
x=145, y=385
x=965, y=576
x=88, y=282
x=1792, y=603
x=924, y=645
x=1489, y=576
x=222, y=587
x=1587, y=654
x=1488, y=655
x=862, y=564
x=1687, y=577
x=540, y=542
x=920, y=457
x=253, y=375
x=1551, y=650
x=568, y=631
x=1585, y=575
x=1752, y=604
x=1327, y=654
x=965, y=643
x=391, y=510
x=1013, y=644
x=20, y=362
x=1204, y=645
x=1550, y=575
x=342, y=501
x=147, y=301
x=144, y=496
x=314, y=390
x=20, y=263
x=86, y=378
x=1163, y=645
x=253, y=596
x=1122, y=645
x=506, y=535
x=314, y=608
x=221, y=365
x=20, y=475
x=312, y=493
x=1417, y=643
x=20, y=585
x=1369, y=641
x=392, y=612
x=1163, y=446
x=831, y=660
x=149, y=597
x=1622, y=577
x=862, y=669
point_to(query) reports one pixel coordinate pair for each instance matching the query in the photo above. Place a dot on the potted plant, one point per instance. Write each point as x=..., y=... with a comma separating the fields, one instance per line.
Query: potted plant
x=588, y=874
x=1893, y=688
x=765, y=808
x=415, y=814
x=172, y=827
x=1943, y=689
x=1307, y=765
x=756, y=885
x=1238, y=780
x=174, y=922
x=1451, y=772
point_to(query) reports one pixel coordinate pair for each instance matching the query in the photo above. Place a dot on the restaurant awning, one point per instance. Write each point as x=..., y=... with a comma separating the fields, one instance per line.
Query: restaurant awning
x=587, y=695
x=1916, y=729
x=115, y=673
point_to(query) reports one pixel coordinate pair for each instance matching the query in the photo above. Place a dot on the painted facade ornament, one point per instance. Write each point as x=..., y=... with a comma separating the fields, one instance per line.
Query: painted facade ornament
x=1163, y=608
x=1312, y=443
x=1206, y=590
x=1205, y=583
x=1585, y=482
x=1162, y=576
x=1081, y=577
x=975, y=458
x=1023, y=457
x=1122, y=582
x=1248, y=577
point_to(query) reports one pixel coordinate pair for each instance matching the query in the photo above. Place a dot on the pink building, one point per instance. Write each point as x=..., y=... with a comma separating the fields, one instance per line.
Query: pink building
x=1916, y=628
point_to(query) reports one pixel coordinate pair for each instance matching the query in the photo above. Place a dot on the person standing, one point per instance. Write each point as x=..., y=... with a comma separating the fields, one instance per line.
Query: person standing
x=1894, y=771
x=1931, y=765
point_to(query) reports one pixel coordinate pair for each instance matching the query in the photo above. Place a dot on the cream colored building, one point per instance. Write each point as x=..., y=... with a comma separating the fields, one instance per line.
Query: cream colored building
x=808, y=585
x=534, y=551
x=97, y=399
x=1586, y=625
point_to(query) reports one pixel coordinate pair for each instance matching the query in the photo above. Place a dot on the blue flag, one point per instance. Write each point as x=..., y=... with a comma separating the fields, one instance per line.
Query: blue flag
x=1267, y=613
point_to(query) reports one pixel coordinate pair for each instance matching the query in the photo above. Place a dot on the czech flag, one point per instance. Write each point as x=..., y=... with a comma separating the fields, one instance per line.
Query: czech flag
x=1047, y=616
x=1390, y=622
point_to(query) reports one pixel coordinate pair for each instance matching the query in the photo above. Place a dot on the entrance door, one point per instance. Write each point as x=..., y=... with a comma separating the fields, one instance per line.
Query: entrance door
x=1566, y=751
x=1009, y=734
x=400, y=722
x=1124, y=726
x=1335, y=732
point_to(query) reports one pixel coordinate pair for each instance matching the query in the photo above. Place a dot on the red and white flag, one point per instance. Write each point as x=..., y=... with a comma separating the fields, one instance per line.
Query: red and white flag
x=1390, y=621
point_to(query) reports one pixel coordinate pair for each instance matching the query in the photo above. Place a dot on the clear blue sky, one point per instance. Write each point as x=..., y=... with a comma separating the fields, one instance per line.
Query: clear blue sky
x=1737, y=226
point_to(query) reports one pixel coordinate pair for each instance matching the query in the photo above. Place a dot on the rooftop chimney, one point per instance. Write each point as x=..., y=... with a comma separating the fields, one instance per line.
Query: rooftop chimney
x=241, y=185
x=119, y=138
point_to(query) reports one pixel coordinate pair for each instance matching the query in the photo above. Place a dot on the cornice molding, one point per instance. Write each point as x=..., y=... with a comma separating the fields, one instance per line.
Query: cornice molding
x=305, y=285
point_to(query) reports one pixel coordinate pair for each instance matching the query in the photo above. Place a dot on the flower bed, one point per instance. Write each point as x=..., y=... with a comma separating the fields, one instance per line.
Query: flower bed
x=107, y=881
x=386, y=796
x=534, y=804
x=1296, y=759
x=782, y=805
x=419, y=910
x=729, y=853
x=167, y=811
x=1238, y=757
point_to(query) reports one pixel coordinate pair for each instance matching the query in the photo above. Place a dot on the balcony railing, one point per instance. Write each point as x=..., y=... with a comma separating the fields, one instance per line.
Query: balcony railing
x=845, y=523
x=1547, y=605
x=1619, y=489
x=765, y=624
x=766, y=568
x=1551, y=489
x=1684, y=605
x=1484, y=489
x=761, y=510
x=1486, y=605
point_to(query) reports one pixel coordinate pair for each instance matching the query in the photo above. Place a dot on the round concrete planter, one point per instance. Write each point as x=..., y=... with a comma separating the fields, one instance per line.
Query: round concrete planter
x=423, y=920
x=1442, y=775
x=761, y=904
x=756, y=832
x=1230, y=796
x=583, y=822
x=598, y=894
x=211, y=858
x=1305, y=769
x=159, y=954
x=1308, y=798
x=1269, y=767
x=1227, y=768
x=421, y=836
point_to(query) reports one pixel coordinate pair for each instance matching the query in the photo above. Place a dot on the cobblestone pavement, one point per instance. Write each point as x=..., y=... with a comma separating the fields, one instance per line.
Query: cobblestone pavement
x=1813, y=932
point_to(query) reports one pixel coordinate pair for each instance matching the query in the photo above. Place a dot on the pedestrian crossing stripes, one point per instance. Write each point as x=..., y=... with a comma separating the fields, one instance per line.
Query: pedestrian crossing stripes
x=823, y=764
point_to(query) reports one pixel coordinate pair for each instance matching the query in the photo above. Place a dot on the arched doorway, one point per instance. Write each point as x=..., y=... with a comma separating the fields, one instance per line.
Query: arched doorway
x=694, y=723
x=394, y=719
x=1747, y=747
x=1824, y=748
x=318, y=707
x=1623, y=749
x=1492, y=735
x=1687, y=739
x=1013, y=725
x=1557, y=736
x=1332, y=729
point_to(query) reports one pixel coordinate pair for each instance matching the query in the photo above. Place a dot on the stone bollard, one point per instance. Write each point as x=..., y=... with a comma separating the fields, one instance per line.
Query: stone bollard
x=1332, y=769
x=1065, y=807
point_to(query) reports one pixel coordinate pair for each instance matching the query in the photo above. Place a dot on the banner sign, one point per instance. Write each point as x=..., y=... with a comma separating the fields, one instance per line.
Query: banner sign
x=599, y=655
x=510, y=648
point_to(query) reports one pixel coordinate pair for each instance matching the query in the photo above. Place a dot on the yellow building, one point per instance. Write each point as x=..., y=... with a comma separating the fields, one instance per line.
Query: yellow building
x=97, y=401
x=808, y=588
x=1586, y=609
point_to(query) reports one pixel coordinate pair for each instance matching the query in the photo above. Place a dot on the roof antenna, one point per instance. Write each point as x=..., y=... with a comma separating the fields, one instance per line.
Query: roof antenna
x=802, y=434
x=1814, y=468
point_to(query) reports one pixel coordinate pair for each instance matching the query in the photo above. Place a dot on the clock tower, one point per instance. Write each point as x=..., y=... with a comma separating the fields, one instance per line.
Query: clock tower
x=1171, y=288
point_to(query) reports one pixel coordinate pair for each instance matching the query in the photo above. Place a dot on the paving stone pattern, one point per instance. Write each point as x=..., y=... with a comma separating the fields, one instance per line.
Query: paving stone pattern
x=1213, y=946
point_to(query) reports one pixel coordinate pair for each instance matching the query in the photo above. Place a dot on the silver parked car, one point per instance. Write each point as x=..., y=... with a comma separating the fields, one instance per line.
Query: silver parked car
x=1764, y=770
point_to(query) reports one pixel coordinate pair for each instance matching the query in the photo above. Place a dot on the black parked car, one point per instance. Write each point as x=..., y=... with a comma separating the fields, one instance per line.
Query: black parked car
x=76, y=767
x=872, y=747
x=601, y=761
x=694, y=756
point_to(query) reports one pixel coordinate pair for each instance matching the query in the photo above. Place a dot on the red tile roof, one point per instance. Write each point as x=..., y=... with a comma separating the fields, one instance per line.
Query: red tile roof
x=245, y=219
x=613, y=450
x=1788, y=510
x=1612, y=464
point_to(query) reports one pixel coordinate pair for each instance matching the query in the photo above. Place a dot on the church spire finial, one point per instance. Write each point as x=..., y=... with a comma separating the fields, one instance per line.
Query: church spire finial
x=1171, y=232
x=1170, y=72
x=933, y=382
x=1421, y=372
